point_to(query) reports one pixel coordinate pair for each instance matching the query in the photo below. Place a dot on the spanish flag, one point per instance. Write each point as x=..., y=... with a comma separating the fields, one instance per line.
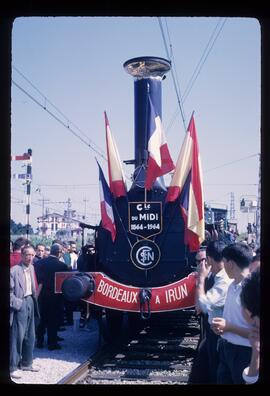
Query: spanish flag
x=188, y=186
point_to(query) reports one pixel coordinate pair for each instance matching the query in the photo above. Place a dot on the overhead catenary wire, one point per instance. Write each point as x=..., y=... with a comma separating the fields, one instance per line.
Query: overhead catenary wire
x=232, y=162
x=71, y=186
x=203, y=58
x=231, y=184
x=173, y=71
x=198, y=68
x=56, y=108
x=16, y=200
x=66, y=125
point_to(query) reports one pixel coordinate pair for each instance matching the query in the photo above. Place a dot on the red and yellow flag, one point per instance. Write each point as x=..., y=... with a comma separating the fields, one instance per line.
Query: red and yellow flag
x=187, y=184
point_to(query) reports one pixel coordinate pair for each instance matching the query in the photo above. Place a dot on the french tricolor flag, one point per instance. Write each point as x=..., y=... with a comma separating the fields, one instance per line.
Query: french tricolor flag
x=159, y=160
x=115, y=170
x=107, y=217
x=187, y=184
x=24, y=157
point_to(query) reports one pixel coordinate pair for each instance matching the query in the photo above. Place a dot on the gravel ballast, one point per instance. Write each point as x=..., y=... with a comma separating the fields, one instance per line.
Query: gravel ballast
x=78, y=345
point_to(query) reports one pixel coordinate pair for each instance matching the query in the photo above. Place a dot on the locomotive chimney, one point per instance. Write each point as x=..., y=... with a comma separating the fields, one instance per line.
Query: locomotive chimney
x=148, y=72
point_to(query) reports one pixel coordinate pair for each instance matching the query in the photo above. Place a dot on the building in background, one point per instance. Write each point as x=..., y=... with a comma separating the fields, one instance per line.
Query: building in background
x=215, y=212
x=55, y=224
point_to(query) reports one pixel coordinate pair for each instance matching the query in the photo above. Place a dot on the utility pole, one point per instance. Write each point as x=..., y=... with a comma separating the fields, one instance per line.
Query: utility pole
x=69, y=218
x=232, y=207
x=85, y=200
x=43, y=200
x=27, y=157
x=258, y=211
x=28, y=191
x=84, y=217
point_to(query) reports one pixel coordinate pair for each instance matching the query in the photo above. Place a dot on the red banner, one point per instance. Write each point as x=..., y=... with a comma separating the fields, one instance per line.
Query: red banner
x=111, y=294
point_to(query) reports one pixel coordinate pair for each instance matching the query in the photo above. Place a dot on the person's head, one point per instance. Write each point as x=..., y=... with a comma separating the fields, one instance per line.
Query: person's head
x=72, y=246
x=65, y=247
x=250, y=296
x=88, y=249
x=237, y=258
x=252, y=246
x=40, y=250
x=200, y=256
x=47, y=251
x=57, y=241
x=220, y=225
x=28, y=253
x=207, y=237
x=256, y=263
x=214, y=255
x=19, y=243
x=56, y=249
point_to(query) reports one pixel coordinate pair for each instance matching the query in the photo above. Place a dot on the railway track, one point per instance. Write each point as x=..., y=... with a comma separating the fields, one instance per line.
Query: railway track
x=160, y=352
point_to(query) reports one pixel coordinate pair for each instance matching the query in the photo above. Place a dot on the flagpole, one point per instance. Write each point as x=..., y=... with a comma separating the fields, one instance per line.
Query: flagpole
x=28, y=194
x=114, y=205
x=146, y=138
x=192, y=114
x=176, y=202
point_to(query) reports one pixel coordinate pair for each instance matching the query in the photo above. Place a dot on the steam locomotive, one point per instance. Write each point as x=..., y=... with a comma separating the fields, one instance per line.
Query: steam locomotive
x=146, y=269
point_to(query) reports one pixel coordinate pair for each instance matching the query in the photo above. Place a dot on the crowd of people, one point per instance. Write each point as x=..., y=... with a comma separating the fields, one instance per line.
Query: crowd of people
x=227, y=301
x=36, y=311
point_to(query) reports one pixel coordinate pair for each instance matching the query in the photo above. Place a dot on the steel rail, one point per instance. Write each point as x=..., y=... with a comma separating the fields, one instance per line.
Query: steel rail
x=76, y=375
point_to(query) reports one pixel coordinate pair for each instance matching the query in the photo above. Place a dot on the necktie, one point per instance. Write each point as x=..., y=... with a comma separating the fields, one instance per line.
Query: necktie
x=209, y=282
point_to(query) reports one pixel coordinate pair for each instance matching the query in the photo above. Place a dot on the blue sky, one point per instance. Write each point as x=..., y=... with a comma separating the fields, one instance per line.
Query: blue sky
x=77, y=63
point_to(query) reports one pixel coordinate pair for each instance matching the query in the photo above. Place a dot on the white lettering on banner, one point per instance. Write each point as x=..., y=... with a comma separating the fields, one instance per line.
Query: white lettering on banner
x=119, y=296
x=148, y=216
x=176, y=294
x=101, y=283
x=157, y=300
x=141, y=207
x=110, y=290
x=116, y=293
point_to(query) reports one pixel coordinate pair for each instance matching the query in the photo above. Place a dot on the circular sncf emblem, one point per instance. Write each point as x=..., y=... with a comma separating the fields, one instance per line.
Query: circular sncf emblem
x=145, y=254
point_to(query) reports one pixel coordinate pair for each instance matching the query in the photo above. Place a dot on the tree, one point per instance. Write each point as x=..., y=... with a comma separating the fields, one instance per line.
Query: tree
x=62, y=234
x=19, y=228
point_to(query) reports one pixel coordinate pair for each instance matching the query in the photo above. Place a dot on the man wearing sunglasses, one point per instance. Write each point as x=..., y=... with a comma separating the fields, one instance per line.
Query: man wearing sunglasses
x=211, y=302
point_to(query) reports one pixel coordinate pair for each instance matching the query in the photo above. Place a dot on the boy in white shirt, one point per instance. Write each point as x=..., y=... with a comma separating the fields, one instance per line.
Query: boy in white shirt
x=234, y=345
x=250, y=300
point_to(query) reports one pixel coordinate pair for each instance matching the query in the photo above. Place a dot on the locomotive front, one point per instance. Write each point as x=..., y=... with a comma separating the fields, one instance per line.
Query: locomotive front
x=146, y=267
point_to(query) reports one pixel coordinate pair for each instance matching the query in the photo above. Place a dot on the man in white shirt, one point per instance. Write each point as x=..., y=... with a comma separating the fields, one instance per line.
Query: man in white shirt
x=211, y=302
x=234, y=346
x=70, y=258
x=73, y=255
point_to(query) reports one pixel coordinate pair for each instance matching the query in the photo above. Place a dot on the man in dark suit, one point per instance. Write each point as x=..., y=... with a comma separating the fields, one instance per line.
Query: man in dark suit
x=23, y=309
x=50, y=303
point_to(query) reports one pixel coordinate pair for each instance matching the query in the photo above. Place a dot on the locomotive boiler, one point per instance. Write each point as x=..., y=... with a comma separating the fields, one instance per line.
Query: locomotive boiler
x=146, y=269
